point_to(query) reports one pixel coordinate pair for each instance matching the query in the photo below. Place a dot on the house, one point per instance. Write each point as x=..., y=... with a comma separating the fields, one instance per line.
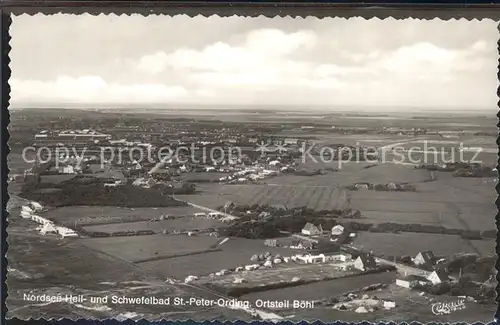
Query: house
x=200, y=215
x=365, y=262
x=311, y=230
x=437, y=277
x=340, y=257
x=66, y=232
x=410, y=281
x=424, y=258
x=48, y=228
x=337, y=230
x=36, y=206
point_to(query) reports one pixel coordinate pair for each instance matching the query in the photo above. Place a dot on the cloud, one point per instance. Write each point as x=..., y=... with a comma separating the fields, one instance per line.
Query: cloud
x=92, y=89
x=254, y=60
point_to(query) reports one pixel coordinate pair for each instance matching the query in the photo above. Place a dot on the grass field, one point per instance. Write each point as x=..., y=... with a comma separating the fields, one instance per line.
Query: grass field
x=235, y=252
x=88, y=212
x=319, y=197
x=136, y=248
x=413, y=243
x=180, y=224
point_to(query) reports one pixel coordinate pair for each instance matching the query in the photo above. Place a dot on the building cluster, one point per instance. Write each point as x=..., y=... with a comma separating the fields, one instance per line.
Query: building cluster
x=45, y=226
x=423, y=259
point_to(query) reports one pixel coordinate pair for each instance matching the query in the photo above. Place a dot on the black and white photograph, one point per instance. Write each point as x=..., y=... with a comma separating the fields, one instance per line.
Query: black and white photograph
x=252, y=168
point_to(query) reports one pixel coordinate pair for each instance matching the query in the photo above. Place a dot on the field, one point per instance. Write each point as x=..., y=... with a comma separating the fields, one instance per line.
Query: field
x=180, y=224
x=48, y=265
x=411, y=244
x=74, y=213
x=136, y=248
x=236, y=252
x=319, y=197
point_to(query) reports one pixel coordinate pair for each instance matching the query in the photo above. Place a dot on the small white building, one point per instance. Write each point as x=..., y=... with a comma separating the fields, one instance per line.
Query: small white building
x=200, y=215
x=36, y=206
x=66, y=232
x=341, y=257
x=338, y=230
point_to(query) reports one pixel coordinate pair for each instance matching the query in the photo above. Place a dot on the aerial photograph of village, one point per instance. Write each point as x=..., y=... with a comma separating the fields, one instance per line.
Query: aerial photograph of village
x=248, y=175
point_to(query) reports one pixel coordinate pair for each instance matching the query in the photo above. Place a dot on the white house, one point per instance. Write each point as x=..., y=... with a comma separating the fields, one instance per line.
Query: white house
x=36, y=206
x=66, y=232
x=437, y=277
x=48, y=228
x=25, y=215
x=27, y=209
x=311, y=230
x=200, y=215
x=388, y=304
x=338, y=230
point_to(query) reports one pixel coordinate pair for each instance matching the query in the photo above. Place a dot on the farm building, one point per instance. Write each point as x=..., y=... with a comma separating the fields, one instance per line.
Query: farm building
x=365, y=262
x=437, y=277
x=200, y=215
x=311, y=230
x=424, y=258
x=410, y=281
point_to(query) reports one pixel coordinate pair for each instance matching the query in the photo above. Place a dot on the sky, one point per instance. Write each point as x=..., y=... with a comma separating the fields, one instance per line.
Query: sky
x=332, y=62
